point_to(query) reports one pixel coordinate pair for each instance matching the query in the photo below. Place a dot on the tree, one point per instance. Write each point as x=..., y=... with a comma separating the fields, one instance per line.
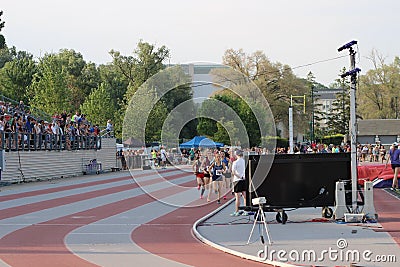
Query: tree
x=1, y=22
x=114, y=82
x=275, y=80
x=50, y=86
x=144, y=116
x=116, y=85
x=378, y=87
x=98, y=106
x=82, y=78
x=2, y=39
x=339, y=116
x=315, y=108
x=7, y=55
x=219, y=126
x=16, y=76
x=146, y=61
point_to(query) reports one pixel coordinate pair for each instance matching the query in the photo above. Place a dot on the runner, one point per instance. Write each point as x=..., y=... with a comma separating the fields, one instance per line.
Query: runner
x=199, y=173
x=394, y=158
x=227, y=175
x=207, y=176
x=217, y=169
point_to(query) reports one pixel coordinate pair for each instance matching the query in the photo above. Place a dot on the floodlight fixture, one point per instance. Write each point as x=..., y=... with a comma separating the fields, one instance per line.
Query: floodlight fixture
x=348, y=45
x=350, y=72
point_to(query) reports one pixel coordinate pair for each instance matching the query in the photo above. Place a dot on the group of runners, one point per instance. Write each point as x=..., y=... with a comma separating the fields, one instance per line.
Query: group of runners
x=213, y=172
x=221, y=172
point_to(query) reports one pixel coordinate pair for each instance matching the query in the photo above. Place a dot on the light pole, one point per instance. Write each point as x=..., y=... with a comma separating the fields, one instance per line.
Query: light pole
x=395, y=106
x=353, y=121
x=312, y=114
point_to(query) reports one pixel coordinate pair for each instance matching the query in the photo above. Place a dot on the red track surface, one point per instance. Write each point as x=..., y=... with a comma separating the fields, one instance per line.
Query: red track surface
x=43, y=244
x=168, y=236
x=388, y=208
x=176, y=242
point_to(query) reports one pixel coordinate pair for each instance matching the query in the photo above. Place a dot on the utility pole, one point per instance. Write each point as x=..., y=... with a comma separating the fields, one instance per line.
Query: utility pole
x=395, y=105
x=353, y=120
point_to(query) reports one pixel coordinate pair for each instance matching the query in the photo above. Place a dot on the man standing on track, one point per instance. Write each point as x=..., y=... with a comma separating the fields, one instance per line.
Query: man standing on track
x=238, y=172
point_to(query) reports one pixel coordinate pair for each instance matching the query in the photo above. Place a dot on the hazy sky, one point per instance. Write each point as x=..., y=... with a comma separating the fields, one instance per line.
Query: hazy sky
x=290, y=32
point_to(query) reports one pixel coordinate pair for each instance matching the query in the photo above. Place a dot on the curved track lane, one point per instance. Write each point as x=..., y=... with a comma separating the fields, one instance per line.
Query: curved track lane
x=109, y=220
x=36, y=222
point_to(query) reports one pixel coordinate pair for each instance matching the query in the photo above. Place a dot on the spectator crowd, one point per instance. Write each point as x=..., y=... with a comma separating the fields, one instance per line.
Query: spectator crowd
x=21, y=130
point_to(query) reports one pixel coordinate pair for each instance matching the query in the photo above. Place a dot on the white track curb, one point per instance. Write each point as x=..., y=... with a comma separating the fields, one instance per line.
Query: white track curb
x=227, y=250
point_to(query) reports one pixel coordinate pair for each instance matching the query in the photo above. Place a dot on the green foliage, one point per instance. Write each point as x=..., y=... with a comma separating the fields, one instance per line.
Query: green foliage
x=206, y=127
x=222, y=135
x=82, y=78
x=98, y=106
x=339, y=117
x=16, y=76
x=146, y=61
x=50, y=86
x=209, y=126
x=1, y=22
x=335, y=139
x=378, y=89
x=115, y=83
x=6, y=55
x=2, y=42
x=275, y=80
x=144, y=110
x=270, y=142
x=2, y=39
x=155, y=122
x=226, y=133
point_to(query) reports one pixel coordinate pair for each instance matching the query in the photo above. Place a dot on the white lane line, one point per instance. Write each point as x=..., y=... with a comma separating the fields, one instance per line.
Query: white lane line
x=17, y=222
x=106, y=249
x=65, y=193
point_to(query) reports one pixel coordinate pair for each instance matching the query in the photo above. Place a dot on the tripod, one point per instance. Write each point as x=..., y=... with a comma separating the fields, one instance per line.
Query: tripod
x=260, y=214
x=260, y=201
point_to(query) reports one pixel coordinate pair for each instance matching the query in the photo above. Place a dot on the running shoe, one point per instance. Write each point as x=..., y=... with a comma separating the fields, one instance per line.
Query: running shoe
x=245, y=213
x=198, y=187
x=218, y=201
x=235, y=214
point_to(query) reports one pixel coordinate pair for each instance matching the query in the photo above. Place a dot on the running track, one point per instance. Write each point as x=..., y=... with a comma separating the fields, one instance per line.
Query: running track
x=107, y=220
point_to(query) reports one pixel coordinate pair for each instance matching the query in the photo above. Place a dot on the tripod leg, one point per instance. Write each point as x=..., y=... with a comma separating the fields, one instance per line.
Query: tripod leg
x=266, y=227
x=254, y=225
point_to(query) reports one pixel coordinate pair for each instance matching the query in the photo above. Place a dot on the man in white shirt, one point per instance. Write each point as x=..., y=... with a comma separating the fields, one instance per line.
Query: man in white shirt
x=238, y=172
x=163, y=158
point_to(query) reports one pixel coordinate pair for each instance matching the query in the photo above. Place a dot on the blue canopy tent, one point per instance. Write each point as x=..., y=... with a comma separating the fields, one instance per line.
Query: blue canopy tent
x=201, y=141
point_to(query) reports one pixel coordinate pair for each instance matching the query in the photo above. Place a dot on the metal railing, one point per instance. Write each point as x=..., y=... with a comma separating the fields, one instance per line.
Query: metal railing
x=34, y=112
x=19, y=141
x=106, y=134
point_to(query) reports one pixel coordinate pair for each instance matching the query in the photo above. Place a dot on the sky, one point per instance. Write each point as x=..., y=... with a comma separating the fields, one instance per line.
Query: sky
x=291, y=32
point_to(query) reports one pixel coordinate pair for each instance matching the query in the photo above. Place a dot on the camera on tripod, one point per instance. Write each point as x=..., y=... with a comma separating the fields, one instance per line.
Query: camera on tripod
x=259, y=201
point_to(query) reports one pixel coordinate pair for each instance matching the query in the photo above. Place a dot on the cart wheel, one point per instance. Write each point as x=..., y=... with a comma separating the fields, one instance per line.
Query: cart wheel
x=327, y=212
x=281, y=218
x=97, y=172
